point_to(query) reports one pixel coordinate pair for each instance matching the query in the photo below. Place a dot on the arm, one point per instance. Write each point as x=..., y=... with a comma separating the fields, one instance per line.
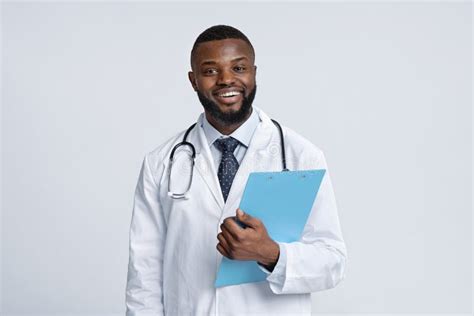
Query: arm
x=144, y=291
x=317, y=261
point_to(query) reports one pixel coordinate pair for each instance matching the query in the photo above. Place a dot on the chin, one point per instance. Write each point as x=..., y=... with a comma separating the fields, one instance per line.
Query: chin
x=227, y=108
x=227, y=113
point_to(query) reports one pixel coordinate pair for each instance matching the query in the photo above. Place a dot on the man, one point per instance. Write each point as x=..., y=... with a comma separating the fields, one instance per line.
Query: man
x=176, y=245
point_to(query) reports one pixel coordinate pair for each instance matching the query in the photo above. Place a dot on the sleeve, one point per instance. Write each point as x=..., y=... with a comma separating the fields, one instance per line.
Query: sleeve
x=144, y=290
x=317, y=261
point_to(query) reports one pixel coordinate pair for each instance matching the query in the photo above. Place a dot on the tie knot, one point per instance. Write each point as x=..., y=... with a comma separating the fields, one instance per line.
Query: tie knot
x=226, y=145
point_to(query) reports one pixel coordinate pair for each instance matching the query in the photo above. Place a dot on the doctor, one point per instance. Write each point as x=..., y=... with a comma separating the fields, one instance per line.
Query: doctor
x=176, y=245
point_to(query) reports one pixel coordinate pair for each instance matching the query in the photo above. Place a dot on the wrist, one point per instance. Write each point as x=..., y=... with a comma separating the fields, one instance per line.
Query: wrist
x=270, y=254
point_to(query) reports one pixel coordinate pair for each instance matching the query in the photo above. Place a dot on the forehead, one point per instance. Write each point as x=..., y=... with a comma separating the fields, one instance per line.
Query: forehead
x=222, y=51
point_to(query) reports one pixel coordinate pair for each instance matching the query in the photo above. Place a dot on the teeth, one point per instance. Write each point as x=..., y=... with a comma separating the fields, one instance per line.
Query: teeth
x=229, y=94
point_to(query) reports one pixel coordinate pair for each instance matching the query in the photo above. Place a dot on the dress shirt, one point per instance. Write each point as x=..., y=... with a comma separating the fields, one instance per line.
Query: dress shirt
x=243, y=134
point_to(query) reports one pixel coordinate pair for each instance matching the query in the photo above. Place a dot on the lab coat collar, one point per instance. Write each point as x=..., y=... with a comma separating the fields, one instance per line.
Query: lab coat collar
x=265, y=125
x=259, y=157
x=252, y=161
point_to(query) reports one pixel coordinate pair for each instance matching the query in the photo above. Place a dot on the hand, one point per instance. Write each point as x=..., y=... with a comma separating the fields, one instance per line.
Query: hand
x=250, y=243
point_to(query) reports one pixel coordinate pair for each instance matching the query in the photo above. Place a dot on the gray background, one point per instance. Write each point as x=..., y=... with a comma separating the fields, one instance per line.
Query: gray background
x=383, y=88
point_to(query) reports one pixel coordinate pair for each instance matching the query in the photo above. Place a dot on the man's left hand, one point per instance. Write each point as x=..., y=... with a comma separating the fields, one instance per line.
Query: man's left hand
x=249, y=243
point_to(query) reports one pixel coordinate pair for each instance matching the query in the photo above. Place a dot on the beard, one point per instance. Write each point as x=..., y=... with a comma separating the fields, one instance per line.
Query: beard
x=233, y=117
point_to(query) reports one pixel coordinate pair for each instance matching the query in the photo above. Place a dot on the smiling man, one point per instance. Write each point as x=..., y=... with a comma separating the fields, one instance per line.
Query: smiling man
x=176, y=243
x=224, y=78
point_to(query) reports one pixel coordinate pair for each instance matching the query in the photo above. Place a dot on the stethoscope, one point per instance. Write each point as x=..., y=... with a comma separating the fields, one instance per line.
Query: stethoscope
x=193, y=157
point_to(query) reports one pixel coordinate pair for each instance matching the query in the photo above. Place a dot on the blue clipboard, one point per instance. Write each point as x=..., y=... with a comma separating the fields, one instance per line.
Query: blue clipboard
x=283, y=201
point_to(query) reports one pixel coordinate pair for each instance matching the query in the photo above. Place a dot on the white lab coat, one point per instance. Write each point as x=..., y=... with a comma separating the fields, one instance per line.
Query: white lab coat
x=173, y=258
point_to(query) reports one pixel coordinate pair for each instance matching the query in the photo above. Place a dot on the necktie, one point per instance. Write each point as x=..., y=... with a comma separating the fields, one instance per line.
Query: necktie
x=229, y=165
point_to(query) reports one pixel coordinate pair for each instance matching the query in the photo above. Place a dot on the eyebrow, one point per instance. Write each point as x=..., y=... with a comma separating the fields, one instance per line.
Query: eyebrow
x=211, y=62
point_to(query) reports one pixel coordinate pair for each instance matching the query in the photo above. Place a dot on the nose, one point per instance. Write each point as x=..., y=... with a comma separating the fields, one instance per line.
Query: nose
x=226, y=77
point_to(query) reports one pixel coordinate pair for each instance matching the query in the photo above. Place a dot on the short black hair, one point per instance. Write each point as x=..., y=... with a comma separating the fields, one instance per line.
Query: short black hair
x=219, y=32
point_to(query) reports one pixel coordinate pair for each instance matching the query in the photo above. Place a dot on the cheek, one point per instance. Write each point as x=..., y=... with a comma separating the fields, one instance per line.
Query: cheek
x=205, y=84
x=249, y=81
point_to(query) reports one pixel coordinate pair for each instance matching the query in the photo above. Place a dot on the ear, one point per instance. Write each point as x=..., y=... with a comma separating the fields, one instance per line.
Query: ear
x=192, y=79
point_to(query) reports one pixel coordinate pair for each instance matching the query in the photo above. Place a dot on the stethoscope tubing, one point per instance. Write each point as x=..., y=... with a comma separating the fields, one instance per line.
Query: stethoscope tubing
x=184, y=142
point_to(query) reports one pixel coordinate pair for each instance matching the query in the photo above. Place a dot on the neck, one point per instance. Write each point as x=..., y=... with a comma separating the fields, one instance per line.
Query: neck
x=226, y=128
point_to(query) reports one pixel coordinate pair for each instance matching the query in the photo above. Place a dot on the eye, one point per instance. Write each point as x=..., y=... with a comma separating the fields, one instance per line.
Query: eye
x=210, y=71
x=239, y=68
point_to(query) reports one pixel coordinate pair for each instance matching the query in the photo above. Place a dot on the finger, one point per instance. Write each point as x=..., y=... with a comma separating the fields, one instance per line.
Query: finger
x=231, y=225
x=229, y=237
x=247, y=219
x=222, y=251
x=230, y=234
x=224, y=242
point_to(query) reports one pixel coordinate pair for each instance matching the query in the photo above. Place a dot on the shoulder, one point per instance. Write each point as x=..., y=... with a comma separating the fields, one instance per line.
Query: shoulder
x=157, y=157
x=302, y=151
x=298, y=143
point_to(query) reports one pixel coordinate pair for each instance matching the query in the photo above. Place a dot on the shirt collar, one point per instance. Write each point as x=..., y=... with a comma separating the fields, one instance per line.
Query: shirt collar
x=243, y=134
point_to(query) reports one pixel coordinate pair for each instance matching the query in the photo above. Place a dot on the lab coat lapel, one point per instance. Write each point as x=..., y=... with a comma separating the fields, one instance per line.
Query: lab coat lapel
x=261, y=155
x=204, y=163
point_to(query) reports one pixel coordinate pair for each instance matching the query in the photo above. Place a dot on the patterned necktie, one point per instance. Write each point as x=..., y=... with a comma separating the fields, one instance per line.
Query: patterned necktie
x=229, y=165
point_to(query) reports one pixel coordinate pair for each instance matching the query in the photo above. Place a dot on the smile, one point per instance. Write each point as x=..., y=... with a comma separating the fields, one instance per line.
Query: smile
x=228, y=94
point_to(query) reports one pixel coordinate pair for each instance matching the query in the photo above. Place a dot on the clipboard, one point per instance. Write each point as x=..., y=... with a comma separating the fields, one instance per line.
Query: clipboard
x=283, y=202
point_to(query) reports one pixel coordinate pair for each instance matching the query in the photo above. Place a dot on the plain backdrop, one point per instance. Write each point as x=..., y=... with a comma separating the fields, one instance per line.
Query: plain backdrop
x=384, y=89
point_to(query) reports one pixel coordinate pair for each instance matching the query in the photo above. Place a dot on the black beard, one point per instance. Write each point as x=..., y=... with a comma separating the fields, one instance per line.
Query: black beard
x=228, y=118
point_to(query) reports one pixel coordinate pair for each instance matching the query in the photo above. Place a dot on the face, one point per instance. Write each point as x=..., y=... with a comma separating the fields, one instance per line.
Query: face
x=224, y=78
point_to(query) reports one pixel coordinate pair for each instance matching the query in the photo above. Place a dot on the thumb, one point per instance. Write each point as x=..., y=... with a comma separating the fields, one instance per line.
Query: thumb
x=246, y=218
